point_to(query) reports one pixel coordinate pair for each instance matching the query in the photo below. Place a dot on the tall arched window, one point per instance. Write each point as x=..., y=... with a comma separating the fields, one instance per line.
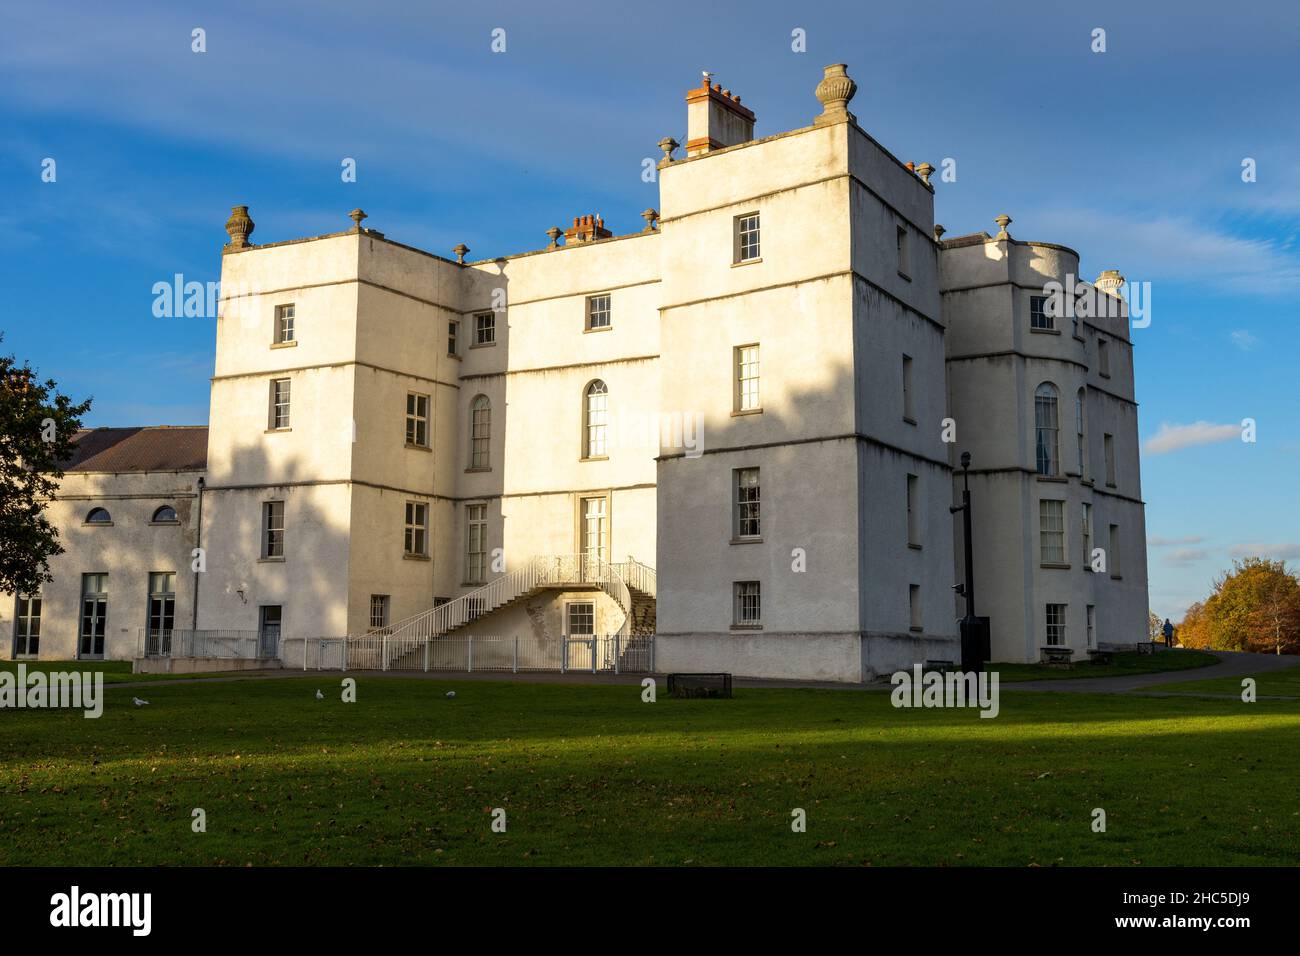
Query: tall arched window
x=1081, y=429
x=1046, y=426
x=480, y=432
x=595, y=415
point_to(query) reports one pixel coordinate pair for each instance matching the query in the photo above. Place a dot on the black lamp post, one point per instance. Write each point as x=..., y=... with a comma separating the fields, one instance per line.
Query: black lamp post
x=198, y=543
x=974, y=630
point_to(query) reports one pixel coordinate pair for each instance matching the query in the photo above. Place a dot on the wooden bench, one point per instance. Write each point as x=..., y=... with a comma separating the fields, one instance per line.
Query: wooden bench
x=1099, y=657
x=1057, y=656
x=699, y=686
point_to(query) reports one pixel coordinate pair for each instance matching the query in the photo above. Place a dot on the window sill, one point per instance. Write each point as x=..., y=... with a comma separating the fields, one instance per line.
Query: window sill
x=483, y=345
x=1117, y=577
x=904, y=275
x=292, y=343
x=276, y=431
x=1054, y=566
x=748, y=539
x=1058, y=479
x=1080, y=338
x=415, y=447
x=1104, y=374
x=97, y=524
x=477, y=471
x=594, y=458
x=416, y=557
x=740, y=412
x=270, y=560
x=914, y=546
x=1087, y=481
x=164, y=524
x=916, y=629
x=470, y=584
x=747, y=627
x=746, y=262
x=1111, y=484
x=909, y=419
x=454, y=355
x=599, y=328
x=1045, y=331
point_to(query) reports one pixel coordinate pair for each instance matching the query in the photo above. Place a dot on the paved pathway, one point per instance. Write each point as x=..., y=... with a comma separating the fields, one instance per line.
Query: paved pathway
x=1231, y=664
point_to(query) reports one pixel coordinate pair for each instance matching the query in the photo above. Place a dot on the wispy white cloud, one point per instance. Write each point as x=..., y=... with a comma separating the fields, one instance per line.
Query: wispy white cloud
x=1243, y=339
x=1185, y=557
x=1275, y=552
x=1174, y=437
x=1155, y=541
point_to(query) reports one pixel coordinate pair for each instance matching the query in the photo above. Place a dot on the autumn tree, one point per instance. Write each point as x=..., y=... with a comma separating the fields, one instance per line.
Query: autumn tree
x=1254, y=607
x=36, y=429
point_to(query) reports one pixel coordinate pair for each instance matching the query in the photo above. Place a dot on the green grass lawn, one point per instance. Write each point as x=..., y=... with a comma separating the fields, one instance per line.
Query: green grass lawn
x=1121, y=665
x=589, y=774
x=1280, y=683
x=115, y=672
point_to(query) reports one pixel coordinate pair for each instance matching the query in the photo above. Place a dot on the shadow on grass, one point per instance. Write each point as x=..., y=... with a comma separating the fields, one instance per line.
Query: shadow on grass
x=591, y=775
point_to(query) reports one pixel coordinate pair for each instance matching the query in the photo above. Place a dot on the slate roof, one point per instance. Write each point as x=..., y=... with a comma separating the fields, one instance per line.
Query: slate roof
x=153, y=448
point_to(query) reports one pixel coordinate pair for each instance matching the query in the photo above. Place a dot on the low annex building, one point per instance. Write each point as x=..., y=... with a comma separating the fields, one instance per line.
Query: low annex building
x=735, y=429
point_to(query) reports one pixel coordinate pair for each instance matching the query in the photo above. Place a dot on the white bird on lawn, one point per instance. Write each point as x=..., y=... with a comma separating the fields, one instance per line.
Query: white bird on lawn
x=138, y=702
x=451, y=693
x=319, y=695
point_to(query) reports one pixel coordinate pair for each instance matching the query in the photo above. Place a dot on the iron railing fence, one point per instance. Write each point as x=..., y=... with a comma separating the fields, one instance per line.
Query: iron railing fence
x=594, y=654
x=211, y=643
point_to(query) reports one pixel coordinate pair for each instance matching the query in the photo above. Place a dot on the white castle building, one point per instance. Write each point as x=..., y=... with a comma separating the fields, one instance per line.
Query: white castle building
x=762, y=396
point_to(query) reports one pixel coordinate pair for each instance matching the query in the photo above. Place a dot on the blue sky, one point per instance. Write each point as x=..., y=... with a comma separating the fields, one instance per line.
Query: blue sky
x=1132, y=156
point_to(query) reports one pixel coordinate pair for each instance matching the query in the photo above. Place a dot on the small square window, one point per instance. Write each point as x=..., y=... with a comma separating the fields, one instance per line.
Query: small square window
x=485, y=328
x=598, y=312
x=1039, y=318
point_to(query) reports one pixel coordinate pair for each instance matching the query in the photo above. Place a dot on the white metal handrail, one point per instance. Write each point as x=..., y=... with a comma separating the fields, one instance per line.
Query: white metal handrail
x=556, y=570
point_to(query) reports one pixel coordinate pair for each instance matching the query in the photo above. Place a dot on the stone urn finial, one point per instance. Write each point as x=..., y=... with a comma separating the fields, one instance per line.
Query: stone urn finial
x=1003, y=221
x=925, y=171
x=460, y=251
x=1110, y=281
x=938, y=232
x=554, y=234
x=240, y=226
x=668, y=144
x=651, y=217
x=356, y=216
x=835, y=90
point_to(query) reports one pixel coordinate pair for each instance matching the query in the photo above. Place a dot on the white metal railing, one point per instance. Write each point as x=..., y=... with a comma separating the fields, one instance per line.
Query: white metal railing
x=214, y=643
x=540, y=571
x=637, y=575
x=586, y=653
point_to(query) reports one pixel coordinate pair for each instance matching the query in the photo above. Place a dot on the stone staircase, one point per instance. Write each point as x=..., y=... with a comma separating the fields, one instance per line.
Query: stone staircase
x=630, y=584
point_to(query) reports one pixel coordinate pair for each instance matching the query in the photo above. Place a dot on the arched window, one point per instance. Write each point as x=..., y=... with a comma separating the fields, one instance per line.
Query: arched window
x=480, y=432
x=99, y=516
x=1081, y=429
x=1046, y=426
x=164, y=515
x=595, y=418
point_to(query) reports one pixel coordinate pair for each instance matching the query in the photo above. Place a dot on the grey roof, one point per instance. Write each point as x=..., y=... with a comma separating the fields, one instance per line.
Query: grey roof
x=152, y=448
